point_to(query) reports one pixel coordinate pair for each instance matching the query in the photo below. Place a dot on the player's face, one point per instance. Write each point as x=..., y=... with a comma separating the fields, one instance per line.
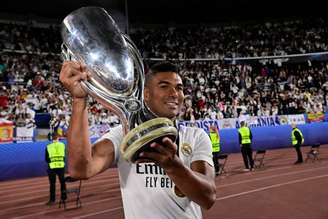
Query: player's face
x=164, y=94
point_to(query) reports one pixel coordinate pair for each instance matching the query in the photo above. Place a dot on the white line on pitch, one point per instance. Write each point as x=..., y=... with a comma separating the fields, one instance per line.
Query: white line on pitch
x=270, y=187
x=271, y=176
x=58, y=209
x=99, y=212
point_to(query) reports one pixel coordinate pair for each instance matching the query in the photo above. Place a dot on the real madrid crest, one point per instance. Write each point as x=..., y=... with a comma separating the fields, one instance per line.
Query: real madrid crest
x=186, y=149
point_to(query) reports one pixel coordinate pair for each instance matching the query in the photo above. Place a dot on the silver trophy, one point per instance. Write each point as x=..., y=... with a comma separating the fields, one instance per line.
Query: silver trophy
x=91, y=37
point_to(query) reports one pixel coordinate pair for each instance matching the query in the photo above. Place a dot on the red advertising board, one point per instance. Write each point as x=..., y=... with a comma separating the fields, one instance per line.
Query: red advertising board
x=6, y=132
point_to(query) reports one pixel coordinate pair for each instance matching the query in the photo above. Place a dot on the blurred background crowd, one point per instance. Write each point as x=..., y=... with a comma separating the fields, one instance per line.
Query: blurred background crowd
x=216, y=85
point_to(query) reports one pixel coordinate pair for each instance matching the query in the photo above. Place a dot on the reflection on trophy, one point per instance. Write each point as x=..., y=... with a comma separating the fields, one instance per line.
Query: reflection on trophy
x=91, y=37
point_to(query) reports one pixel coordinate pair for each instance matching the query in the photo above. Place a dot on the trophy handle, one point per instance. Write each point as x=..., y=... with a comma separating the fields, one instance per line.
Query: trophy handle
x=111, y=107
x=139, y=68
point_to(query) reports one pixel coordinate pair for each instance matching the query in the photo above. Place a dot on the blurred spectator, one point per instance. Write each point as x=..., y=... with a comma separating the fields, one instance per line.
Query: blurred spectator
x=29, y=69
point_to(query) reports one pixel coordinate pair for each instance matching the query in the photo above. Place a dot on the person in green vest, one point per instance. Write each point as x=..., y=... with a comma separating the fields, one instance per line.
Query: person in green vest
x=215, y=139
x=297, y=141
x=245, y=142
x=55, y=158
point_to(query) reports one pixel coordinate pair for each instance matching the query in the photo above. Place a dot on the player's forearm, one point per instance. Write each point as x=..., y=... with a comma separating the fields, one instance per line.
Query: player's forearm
x=196, y=186
x=79, y=146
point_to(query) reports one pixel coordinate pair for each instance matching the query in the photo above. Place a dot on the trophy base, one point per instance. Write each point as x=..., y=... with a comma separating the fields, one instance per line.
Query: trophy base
x=147, y=148
x=139, y=139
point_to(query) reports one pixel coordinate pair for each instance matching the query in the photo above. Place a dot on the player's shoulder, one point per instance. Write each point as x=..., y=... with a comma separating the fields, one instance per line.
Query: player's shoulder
x=192, y=130
x=114, y=131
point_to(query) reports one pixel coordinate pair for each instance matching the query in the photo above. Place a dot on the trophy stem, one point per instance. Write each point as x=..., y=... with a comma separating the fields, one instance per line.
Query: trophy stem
x=118, y=112
x=122, y=115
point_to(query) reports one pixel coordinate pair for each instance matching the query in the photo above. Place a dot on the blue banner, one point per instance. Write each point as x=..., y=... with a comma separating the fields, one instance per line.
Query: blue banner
x=28, y=159
x=259, y=121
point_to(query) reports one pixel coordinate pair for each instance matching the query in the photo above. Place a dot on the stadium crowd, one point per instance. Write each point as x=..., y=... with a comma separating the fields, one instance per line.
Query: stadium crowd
x=30, y=65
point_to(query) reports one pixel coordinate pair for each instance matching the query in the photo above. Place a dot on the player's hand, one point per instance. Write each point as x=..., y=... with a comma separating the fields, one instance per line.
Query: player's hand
x=165, y=154
x=71, y=75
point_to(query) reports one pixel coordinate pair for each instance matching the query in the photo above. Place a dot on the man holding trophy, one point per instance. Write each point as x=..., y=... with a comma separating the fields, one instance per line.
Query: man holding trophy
x=164, y=173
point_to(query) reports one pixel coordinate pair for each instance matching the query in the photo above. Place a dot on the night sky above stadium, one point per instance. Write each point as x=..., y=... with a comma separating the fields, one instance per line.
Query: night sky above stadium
x=172, y=11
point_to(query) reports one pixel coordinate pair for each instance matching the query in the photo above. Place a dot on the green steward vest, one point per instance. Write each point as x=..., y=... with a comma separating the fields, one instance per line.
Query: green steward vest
x=215, y=139
x=245, y=133
x=56, y=151
x=294, y=141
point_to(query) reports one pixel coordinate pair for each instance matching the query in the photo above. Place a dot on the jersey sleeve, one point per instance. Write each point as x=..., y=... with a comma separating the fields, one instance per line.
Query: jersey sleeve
x=202, y=147
x=115, y=135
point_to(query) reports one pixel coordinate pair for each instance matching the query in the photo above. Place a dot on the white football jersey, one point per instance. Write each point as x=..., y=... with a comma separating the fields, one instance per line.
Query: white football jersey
x=147, y=191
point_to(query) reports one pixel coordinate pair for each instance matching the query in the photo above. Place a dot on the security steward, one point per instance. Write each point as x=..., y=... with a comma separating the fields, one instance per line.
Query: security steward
x=245, y=141
x=297, y=141
x=55, y=157
x=215, y=139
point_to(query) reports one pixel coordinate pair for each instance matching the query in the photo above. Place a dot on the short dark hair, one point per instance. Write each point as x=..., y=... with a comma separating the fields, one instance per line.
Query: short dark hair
x=55, y=135
x=164, y=66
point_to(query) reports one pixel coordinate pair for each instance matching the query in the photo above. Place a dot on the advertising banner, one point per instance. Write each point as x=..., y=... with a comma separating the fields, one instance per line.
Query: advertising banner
x=24, y=134
x=251, y=121
x=315, y=117
x=6, y=132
